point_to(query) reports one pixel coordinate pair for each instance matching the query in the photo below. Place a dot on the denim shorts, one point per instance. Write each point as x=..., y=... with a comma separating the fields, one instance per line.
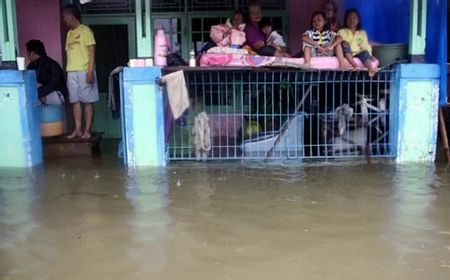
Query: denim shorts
x=363, y=56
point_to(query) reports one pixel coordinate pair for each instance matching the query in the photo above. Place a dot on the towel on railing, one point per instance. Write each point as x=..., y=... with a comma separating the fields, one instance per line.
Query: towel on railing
x=113, y=95
x=176, y=92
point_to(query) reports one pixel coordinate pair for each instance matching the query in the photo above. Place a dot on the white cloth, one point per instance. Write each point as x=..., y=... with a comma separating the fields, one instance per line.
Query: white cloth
x=55, y=98
x=111, y=93
x=176, y=92
x=202, y=136
x=227, y=50
x=276, y=39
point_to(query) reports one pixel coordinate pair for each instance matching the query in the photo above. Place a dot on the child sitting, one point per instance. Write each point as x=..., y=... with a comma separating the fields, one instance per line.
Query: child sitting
x=355, y=42
x=320, y=41
x=229, y=34
x=273, y=38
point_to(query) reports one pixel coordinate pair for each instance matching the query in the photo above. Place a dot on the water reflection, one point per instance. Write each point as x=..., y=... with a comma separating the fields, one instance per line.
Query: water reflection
x=147, y=189
x=414, y=229
x=19, y=188
x=77, y=218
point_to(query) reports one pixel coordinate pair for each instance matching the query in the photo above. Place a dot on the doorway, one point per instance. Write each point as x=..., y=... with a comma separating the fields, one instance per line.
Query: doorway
x=115, y=45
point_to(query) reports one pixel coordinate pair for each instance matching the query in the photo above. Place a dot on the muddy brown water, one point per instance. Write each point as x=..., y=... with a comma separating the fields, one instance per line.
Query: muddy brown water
x=82, y=218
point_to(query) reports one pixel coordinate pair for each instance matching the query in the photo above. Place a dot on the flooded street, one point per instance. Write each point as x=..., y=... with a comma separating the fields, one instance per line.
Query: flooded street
x=82, y=218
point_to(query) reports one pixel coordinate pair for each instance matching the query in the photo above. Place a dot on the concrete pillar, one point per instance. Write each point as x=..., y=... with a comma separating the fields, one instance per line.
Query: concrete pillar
x=20, y=143
x=414, y=112
x=142, y=117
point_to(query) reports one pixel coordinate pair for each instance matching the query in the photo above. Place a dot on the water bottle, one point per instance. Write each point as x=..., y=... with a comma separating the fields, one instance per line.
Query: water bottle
x=160, y=49
x=192, y=62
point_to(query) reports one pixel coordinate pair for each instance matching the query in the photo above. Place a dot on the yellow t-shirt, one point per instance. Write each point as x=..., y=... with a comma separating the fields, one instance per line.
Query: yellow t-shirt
x=358, y=41
x=77, y=42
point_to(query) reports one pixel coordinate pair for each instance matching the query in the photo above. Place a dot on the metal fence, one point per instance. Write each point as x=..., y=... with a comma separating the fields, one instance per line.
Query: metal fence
x=286, y=114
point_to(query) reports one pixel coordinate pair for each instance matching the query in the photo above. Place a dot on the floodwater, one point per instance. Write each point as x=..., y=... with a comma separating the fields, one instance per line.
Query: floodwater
x=83, y=218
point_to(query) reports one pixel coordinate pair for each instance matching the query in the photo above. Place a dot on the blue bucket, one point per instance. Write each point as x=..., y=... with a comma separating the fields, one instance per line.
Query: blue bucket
x=50, y=113
x=52, y=120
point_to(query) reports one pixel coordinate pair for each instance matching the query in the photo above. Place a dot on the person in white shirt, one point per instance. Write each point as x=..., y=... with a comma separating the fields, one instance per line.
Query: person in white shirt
x=273, y=38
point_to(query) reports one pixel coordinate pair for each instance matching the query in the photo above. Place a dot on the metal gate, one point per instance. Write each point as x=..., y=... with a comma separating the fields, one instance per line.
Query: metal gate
x=286, y=114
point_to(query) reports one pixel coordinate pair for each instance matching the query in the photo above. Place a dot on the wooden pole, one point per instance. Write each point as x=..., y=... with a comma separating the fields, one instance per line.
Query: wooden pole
x=444, y=137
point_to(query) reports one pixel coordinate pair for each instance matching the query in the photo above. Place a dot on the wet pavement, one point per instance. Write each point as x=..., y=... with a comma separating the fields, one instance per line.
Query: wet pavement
x=82, y=218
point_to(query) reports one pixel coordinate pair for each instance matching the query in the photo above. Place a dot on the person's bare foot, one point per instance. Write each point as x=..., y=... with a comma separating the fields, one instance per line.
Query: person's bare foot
x=343, y=66
x=74, y=134
x=86, y=135
x=372, y=72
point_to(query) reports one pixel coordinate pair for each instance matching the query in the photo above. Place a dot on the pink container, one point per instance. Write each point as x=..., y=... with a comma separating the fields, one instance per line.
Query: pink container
x=222, y=124
x=160, y=48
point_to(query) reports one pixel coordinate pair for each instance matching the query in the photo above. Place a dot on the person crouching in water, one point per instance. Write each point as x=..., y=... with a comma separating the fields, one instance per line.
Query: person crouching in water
x=320, y=41
x=355, y=42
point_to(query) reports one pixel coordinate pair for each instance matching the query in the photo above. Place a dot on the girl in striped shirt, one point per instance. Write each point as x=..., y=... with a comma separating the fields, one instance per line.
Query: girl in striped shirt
x=320, y=41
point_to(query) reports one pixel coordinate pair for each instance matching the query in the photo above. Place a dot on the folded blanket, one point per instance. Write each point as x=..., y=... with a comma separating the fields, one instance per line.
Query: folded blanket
x=227, y=50
x=235, y=60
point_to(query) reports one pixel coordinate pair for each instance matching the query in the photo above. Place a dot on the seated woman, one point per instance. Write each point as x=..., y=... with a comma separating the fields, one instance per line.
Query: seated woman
x=329, y=8
x=229, y=34
x=256, y=39
x=320, y=41
x=355, y=42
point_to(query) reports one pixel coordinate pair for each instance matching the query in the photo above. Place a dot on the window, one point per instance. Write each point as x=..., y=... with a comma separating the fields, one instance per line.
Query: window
x=187, y=22
x=210, y=5
x=172, y=28
x=166, y=6
x=266, y=4
x=109, y=7
x=195, y=17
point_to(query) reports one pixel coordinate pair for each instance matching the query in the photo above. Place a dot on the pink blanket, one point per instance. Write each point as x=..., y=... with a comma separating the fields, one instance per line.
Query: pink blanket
x=209, y=59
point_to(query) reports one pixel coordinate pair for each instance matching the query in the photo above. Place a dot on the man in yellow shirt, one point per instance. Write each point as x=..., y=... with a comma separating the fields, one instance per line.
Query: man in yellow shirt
x=81, y=78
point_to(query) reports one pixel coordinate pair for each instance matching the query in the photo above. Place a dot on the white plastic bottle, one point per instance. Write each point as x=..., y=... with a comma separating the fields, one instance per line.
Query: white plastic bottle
x=192, y=62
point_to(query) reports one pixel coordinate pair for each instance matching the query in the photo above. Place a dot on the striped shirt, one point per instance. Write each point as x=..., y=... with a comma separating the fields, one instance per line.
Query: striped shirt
x=324, y=38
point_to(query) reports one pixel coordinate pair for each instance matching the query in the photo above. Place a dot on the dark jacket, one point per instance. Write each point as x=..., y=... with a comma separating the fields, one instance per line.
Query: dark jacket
x=50, y=75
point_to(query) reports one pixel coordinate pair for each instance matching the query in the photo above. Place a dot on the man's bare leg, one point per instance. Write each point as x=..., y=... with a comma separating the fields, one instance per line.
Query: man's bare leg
x=88, y=117
x=77, y=118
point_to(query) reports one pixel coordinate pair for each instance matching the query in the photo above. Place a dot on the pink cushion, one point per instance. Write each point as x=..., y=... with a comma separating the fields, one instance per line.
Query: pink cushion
x=209, y=59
